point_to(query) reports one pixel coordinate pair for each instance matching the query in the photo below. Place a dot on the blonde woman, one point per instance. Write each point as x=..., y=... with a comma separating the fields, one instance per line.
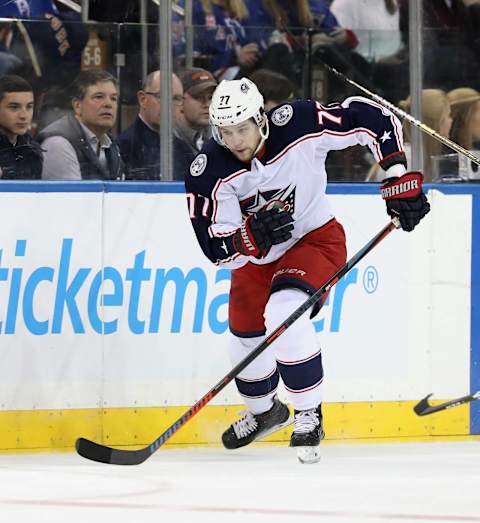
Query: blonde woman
x=466, y=117
x=436, y=113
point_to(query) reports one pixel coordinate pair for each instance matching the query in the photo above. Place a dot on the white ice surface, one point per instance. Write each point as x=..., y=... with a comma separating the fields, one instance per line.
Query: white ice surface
x=434, y=481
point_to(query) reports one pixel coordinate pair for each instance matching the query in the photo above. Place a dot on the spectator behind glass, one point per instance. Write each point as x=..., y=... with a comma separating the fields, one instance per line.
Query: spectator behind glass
x=465, y=103
x=375, y=22
x=20, y=157
x=50, y=40
x=451, y=32
x=311, y=14
x=436, y=113
x=193, y=127
x=9, y=63
x=330, y=43
x=77, y=146
x=221, y=42
x=274, y=87
x=48, y=45
x=140, y=143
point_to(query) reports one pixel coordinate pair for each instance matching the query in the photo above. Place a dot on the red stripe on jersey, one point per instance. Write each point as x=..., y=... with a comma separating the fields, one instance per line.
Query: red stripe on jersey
x=304, y=390
x=226, y=260
x=223, y=234
x=317, y=135
x=362, y=99
x=390, y=156
x=296, y=362
x=259, y=397
x=397, y=133
x=393, y=118
x=269, y=375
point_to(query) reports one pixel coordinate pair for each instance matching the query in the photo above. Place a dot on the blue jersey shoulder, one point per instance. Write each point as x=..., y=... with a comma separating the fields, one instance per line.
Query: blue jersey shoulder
x=213, y=163
x=290, y=122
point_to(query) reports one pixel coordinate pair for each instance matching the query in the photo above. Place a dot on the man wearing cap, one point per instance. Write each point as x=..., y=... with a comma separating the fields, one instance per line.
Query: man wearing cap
x=140, y=143
x=192, y=129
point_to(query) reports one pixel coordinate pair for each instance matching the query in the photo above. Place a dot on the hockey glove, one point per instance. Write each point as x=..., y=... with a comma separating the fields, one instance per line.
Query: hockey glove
x=405, y=199
x=262, y=230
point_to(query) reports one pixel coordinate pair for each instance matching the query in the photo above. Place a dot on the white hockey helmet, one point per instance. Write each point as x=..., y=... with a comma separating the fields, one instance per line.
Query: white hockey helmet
x=234, y=102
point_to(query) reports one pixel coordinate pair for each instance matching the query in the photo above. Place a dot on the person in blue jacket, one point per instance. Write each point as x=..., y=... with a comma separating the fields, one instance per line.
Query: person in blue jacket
x=294, y=16
x=222, y=43
x=52, y=44
x=298, y=25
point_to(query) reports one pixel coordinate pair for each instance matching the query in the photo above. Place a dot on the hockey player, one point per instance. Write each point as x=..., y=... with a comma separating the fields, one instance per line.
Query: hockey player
x=257, y=203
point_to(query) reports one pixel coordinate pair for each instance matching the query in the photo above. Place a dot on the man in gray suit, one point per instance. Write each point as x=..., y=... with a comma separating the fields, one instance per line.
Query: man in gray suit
x=77, y=146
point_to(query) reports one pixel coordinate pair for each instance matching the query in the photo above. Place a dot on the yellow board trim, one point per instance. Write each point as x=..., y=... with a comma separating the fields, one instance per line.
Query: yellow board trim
x=58, y=429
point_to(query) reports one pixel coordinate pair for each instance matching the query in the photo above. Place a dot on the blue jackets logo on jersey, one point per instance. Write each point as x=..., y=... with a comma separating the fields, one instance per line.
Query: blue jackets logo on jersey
x=261, y=200
x=282, y=115
x=198, y=165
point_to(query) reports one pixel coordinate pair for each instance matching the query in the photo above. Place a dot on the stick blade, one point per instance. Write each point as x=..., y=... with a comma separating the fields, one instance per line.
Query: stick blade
x=422, y=408
x=102, y=454
x=93, y=451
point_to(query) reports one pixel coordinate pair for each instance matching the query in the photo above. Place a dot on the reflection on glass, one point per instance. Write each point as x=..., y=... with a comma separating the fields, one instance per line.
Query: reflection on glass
x=61, y=47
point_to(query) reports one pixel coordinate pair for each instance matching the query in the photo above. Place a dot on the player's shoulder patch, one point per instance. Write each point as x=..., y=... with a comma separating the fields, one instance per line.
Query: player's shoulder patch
x=282, y=115
x=198, y=165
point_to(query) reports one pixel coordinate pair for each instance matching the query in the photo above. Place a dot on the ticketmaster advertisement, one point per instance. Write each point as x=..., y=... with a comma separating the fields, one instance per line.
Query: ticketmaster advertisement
x=106, y=300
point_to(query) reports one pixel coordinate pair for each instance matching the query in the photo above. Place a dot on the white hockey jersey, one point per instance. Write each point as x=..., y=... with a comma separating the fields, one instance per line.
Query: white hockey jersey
x=222, y=191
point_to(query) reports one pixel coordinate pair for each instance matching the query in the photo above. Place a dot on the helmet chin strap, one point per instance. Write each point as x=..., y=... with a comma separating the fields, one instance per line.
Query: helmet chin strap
x=264, y=132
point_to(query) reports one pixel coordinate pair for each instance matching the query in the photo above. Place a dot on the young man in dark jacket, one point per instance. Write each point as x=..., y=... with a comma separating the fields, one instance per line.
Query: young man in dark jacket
x=20, y=157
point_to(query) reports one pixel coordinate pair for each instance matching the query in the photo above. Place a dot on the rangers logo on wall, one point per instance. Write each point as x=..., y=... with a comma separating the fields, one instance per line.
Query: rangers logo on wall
x=282, y=115
x=198, y=165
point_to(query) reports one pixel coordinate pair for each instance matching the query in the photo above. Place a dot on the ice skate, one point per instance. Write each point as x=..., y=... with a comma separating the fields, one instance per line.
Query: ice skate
x=256, y=426
x=307, y=434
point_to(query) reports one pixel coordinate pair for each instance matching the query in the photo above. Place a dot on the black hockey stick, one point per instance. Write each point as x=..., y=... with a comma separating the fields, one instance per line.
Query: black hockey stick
x=103, y=454
x=423, y=408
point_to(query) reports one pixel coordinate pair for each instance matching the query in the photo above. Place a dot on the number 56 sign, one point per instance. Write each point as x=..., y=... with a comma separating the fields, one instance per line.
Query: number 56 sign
x=94, y=55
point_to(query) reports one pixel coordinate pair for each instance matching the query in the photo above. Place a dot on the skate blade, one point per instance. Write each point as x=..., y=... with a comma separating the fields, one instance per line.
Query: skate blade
x=289, y=421
x=308, y=454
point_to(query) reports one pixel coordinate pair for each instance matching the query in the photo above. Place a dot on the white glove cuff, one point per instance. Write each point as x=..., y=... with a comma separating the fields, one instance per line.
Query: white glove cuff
x=396, y=170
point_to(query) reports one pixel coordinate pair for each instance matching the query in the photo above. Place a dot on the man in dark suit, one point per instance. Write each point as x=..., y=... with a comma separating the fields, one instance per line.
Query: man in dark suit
x=140, y=143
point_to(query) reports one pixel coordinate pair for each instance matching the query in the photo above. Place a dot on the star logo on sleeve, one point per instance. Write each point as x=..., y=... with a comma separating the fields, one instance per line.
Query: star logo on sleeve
x=386, y=136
